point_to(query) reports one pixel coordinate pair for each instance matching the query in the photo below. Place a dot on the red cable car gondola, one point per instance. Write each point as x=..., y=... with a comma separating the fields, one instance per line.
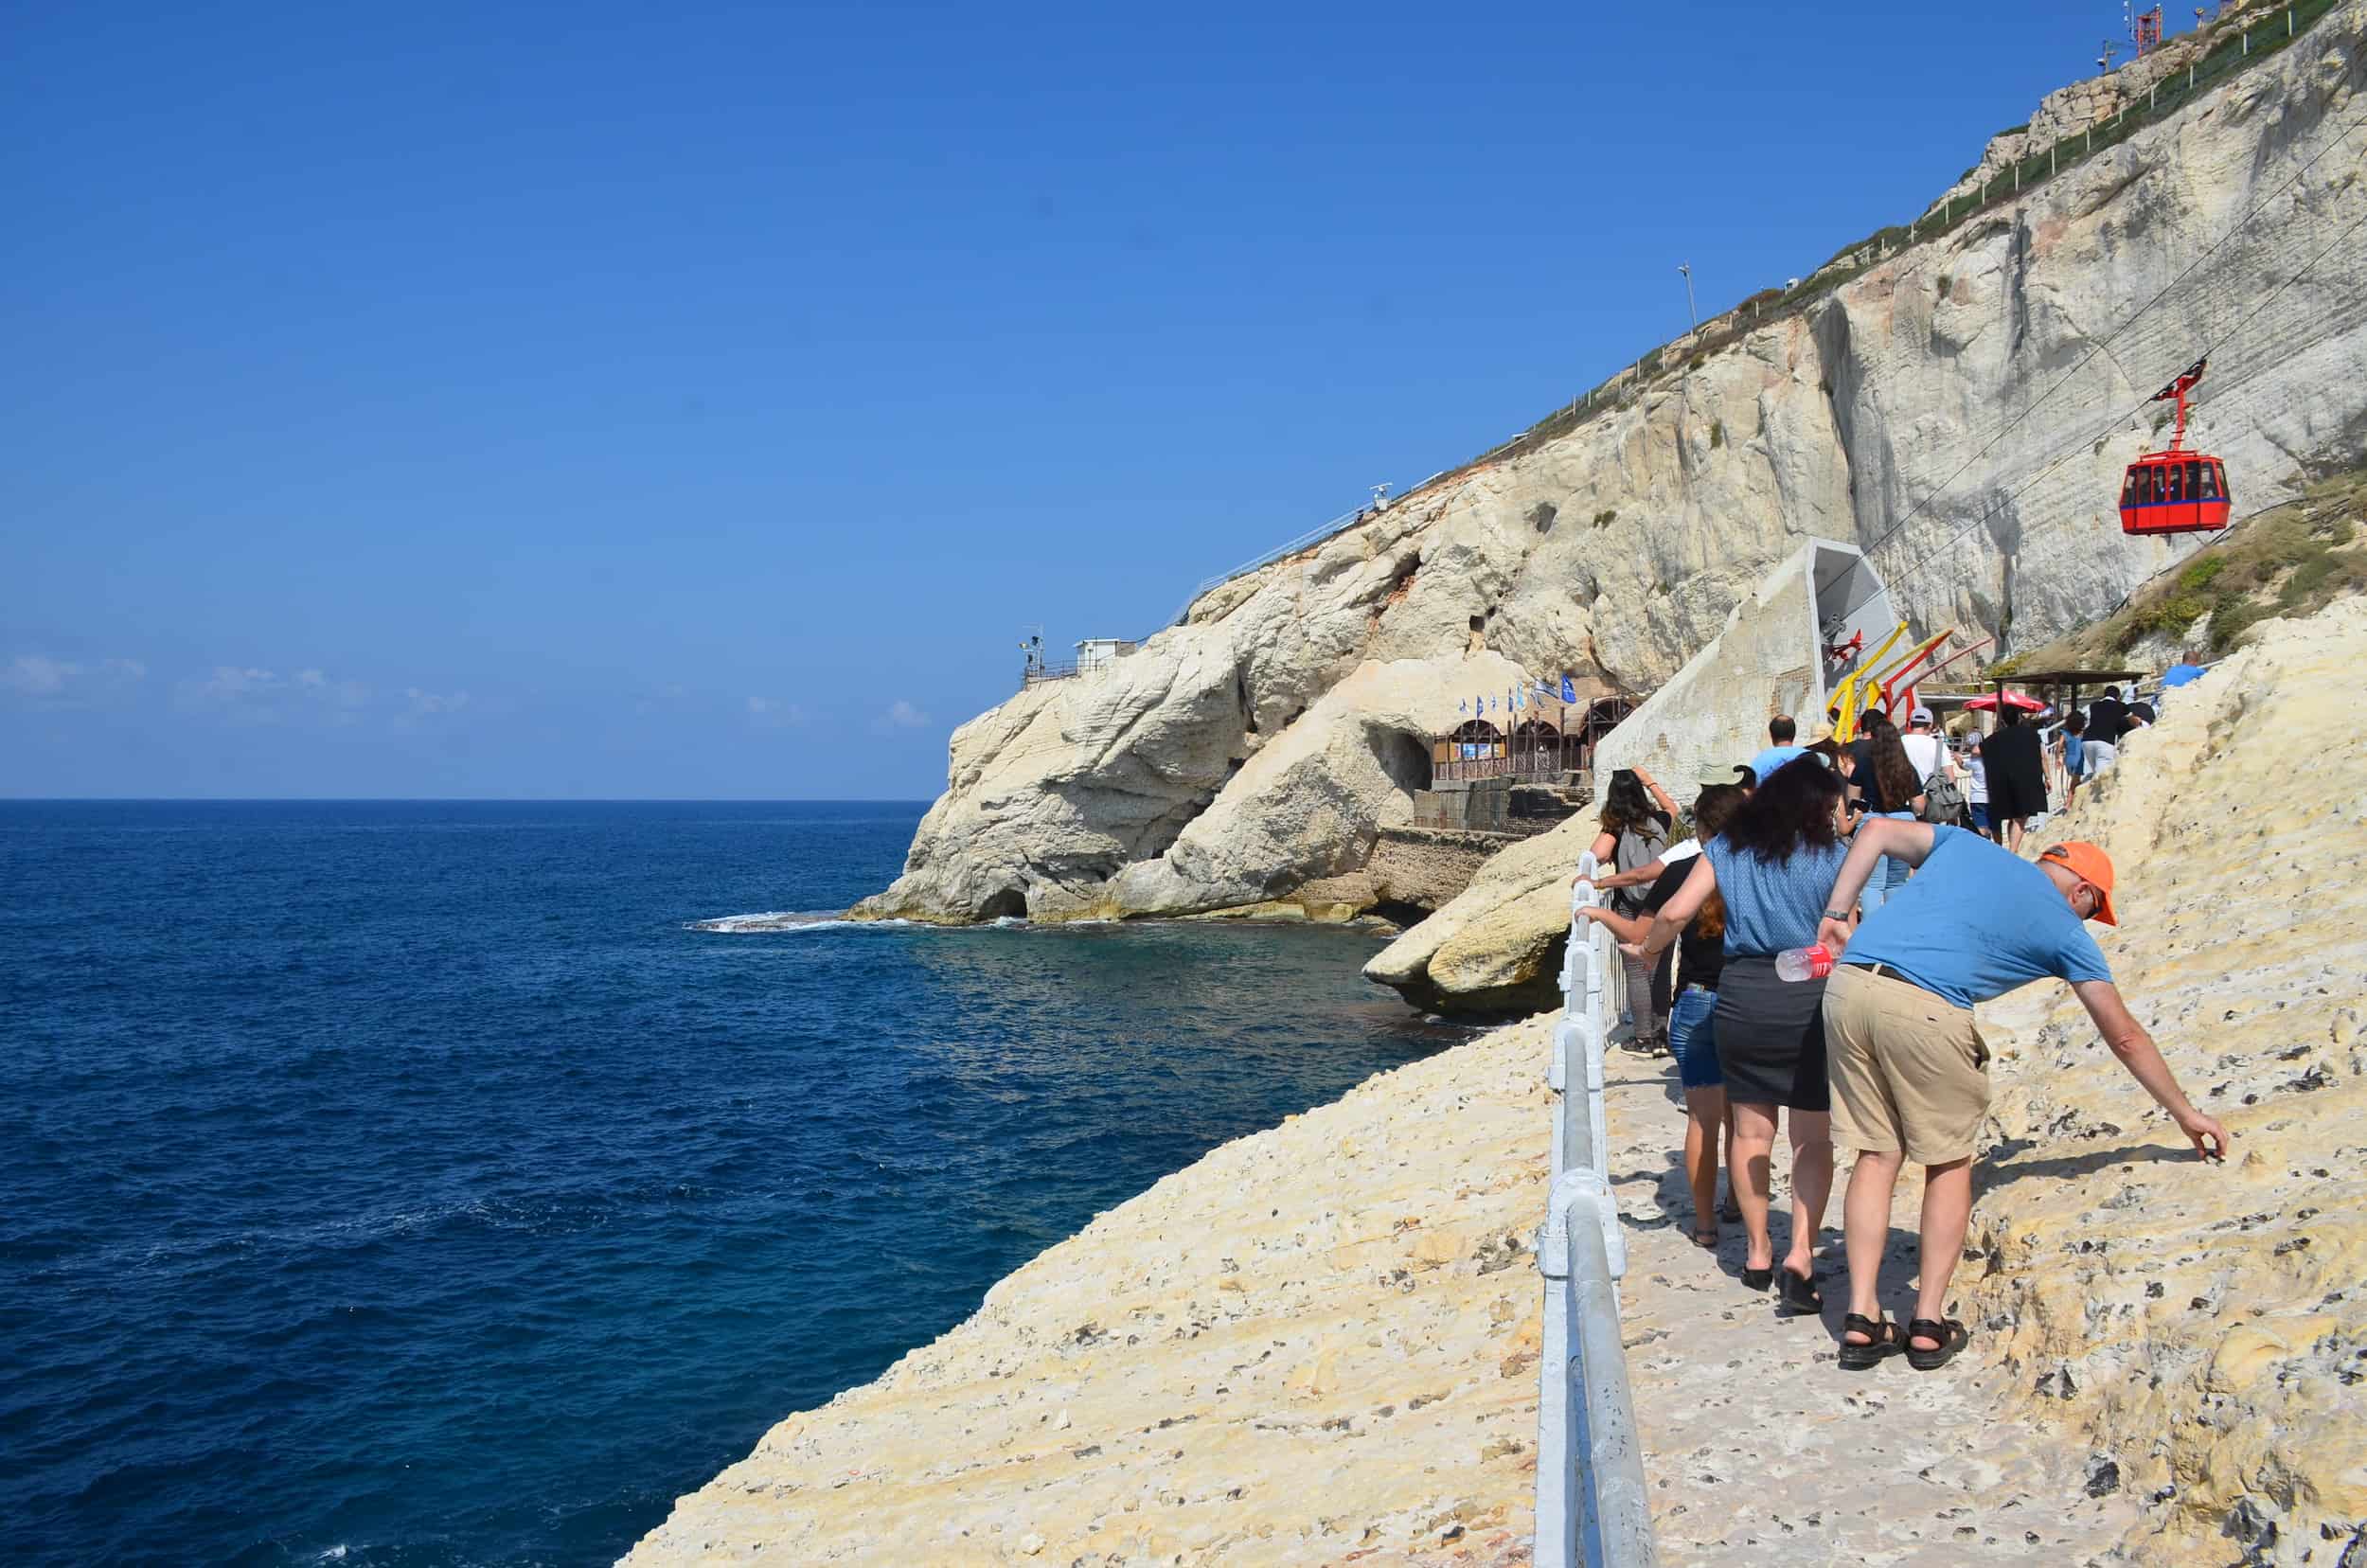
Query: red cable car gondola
x=2176, y=492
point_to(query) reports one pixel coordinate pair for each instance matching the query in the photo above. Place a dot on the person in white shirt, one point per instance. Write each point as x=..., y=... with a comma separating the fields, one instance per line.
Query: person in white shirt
x=1977, y=787
x=1925, y=749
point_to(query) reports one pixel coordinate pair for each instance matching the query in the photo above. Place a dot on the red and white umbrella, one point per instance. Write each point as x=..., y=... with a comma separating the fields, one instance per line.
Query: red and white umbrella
x=2028, y=704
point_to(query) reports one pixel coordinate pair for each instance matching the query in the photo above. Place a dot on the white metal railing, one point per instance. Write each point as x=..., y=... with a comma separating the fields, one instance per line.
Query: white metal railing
x=1592, y=1507
x=1312, y=536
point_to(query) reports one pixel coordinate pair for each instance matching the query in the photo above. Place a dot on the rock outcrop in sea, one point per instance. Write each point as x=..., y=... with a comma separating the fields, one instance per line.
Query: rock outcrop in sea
x=1961, y=408
x=1319, y=1344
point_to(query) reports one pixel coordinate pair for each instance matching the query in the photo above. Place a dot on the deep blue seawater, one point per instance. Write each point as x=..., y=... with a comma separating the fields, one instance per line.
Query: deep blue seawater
x=408, y=1184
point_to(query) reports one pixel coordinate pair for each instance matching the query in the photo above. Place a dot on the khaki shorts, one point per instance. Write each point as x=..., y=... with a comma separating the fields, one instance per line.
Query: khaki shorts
x=1910, y=1071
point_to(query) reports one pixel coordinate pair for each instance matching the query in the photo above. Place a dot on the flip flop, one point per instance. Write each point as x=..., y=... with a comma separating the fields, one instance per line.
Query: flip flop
x=1705, y=1238
x=1883, y=1340
x=1952, y=1336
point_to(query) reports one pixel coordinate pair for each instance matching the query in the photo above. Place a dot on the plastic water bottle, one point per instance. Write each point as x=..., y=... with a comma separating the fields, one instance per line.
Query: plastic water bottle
x=1813, y=962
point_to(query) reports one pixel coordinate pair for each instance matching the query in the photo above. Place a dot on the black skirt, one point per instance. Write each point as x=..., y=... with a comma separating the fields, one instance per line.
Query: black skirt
x=1771, y=1037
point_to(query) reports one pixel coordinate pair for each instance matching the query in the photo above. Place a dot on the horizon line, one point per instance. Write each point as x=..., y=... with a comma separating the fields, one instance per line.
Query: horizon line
x=466, y=800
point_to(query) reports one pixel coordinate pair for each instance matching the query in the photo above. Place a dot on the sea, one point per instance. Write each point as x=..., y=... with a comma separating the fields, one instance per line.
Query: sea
x=425, y=1184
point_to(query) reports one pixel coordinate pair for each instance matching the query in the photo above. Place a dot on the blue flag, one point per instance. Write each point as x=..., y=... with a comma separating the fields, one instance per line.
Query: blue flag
x=1569, y=689
x=1463, y=707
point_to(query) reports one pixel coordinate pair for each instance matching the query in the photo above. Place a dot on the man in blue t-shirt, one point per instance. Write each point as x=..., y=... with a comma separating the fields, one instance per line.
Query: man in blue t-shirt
x=1910, y=1073
x=1780, y=731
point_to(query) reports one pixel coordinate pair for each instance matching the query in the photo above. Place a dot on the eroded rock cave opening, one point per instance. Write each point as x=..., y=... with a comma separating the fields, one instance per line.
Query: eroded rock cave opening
x=1405, y=758
x=1010, y=905
x=1401, y=912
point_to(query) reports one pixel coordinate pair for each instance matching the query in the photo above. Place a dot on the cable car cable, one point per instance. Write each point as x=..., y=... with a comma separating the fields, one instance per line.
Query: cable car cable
x=2159, y=294
x=2071, y=448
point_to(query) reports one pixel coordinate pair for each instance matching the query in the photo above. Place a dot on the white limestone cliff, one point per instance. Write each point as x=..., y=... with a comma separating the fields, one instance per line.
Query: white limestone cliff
x=1961, y=410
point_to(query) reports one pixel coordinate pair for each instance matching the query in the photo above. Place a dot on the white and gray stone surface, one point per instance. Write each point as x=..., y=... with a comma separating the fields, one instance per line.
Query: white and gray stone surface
x=1319, y=1344
x=1961, y=411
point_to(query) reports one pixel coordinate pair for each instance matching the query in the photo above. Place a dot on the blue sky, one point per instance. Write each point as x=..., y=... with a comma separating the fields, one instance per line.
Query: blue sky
x=604, y=401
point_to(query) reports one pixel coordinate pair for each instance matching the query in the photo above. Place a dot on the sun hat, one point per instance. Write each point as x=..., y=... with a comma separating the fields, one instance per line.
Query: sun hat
x=2092, y=865
x=1713, y=773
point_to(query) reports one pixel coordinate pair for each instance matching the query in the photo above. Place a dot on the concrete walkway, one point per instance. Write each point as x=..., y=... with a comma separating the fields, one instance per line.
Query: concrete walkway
x=1760, y=1448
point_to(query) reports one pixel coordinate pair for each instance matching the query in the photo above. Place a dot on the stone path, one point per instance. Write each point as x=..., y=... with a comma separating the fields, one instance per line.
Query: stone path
x=1759, y=1448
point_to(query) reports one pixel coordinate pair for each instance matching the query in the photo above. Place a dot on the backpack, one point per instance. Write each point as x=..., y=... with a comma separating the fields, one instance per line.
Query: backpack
x=1943, y=798
x=1633, y=852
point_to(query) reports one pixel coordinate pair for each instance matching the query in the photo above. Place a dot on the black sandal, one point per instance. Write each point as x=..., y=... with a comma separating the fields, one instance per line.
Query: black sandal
x=1882, y=1339
x=1797, y=1295
x=1705, y=1238
x=1758, y=1279
x=1952, y=1336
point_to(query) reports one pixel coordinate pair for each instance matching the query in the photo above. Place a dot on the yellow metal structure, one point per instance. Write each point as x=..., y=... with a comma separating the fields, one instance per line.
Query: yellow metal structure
x=1849, y=698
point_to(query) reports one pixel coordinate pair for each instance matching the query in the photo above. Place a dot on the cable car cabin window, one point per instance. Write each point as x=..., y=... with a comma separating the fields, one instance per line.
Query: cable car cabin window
x=2193, y=480
x=2148, y=486
x=2210, y=482
x=2220, y=468
x=2171, y=489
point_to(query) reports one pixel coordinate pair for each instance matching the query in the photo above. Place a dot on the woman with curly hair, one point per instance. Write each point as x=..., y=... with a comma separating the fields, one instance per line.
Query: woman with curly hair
x=1637, y=814
x=1773, y=867
x=1700, y=954
x=1886, y=785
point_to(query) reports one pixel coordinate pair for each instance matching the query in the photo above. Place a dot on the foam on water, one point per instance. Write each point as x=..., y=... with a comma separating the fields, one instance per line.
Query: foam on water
x=834, y=919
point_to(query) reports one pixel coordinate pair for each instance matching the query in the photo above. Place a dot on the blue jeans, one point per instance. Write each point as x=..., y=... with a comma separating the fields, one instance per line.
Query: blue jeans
x=1890, y=873
x=1692, y=1040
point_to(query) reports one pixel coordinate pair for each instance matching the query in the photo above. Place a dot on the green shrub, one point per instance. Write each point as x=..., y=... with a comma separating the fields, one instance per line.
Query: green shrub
x=1605, y=517
x=2231, y=623
x=2202, y=572
x=1718, y=433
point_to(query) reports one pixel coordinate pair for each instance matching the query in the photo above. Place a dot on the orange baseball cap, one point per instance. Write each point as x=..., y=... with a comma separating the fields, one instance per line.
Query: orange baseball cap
x=2092, y=865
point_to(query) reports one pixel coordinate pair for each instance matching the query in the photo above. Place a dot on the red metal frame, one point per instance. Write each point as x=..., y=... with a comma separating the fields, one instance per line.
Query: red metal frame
x=2148, y=29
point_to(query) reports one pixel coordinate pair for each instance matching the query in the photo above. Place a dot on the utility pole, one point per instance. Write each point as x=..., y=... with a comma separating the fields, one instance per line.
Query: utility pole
x=1687, y=268
x=2104, y=60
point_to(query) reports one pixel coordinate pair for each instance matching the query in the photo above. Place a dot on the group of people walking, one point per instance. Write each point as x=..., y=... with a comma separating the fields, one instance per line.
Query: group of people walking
x=1907, y=924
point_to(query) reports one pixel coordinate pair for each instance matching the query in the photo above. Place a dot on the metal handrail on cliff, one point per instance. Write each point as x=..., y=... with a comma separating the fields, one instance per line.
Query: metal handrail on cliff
x=1312, y=536
x=1592, y=1507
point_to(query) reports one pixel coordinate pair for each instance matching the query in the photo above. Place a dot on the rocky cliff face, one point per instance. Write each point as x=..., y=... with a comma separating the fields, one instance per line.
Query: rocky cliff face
x=1319, y=1344
x=1961, y=410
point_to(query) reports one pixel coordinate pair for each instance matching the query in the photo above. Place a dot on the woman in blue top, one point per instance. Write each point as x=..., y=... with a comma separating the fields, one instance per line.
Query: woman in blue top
x=1773, y=867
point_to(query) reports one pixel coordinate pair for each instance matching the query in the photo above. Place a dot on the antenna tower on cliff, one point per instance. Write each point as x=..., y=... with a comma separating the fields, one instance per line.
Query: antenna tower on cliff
x=2144, y=27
